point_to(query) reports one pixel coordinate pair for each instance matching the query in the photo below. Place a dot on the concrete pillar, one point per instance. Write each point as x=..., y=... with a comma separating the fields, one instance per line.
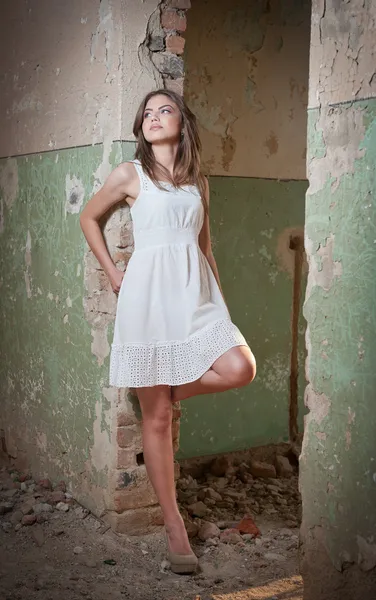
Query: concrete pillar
x=338, y=462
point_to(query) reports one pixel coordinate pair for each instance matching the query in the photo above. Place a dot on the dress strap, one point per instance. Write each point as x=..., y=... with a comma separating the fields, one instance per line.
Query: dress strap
x=144, y=179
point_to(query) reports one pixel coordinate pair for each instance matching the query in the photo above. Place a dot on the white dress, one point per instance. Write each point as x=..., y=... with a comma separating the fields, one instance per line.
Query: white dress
x=171, y=322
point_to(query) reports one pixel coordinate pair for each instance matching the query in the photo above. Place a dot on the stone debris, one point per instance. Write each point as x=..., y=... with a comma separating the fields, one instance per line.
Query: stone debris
x=6, y=507
x=231, y=536
x=283, y=466
x=237, y=495
x=220, y=507
x=29, y=519
x=40, y=507
x=45, y=484
x=25, y=503
x=261, y=469
x=197, y=509
x=208, y=531
x=248, y=526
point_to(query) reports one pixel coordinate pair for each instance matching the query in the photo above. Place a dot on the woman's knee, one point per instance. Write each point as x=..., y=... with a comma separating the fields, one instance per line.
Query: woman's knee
x=243, y=371
x=156, y=413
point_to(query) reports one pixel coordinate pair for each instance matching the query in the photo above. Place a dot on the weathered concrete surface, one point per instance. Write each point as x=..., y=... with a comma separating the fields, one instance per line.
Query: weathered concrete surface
x=338, y=462
x=66, y=82
x=246, y=66
x=56, y=419
x=247, y=79
x=74, y=75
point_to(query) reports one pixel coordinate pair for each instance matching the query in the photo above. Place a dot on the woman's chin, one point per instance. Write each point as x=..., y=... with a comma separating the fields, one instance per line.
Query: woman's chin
x=159, y=138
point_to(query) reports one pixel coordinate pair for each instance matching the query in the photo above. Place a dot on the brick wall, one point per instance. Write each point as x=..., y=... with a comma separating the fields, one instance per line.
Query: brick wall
x=166, y=42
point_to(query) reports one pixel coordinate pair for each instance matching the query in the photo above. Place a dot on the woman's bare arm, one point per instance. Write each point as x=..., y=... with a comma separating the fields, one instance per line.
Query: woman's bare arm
x=204, y=241
x=121, y=184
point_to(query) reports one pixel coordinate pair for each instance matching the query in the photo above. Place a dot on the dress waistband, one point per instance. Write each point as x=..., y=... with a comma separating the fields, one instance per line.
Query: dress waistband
x=164, y=236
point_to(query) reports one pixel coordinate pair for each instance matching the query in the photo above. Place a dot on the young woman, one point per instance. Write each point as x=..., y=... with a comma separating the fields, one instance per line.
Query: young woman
x=173, y=334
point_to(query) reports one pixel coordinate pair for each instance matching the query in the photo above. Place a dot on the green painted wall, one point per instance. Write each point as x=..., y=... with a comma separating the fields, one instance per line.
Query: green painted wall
x=250, y=221
x=51, y=383
x=338, y=462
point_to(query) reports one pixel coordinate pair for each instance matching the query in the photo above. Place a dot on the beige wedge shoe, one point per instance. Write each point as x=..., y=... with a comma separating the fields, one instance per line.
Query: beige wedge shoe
x=181, y=564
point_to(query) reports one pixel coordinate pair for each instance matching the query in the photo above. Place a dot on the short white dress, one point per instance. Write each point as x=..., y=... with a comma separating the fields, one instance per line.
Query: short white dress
x=171, y=322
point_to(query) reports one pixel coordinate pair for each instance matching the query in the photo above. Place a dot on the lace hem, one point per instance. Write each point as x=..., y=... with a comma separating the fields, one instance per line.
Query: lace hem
x=172, y=363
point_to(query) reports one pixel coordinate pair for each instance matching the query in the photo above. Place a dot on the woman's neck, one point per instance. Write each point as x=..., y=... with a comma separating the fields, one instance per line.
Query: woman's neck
x=165, y=155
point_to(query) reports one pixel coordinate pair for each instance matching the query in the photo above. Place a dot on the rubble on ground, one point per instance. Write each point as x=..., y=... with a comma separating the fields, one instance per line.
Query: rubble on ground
x=245, y=535
x=228, y=493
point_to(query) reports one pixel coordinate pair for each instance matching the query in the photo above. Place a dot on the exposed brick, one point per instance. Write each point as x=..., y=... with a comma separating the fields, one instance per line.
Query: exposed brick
x=156, y=43
x=175, y=429
x=169, y=64
x=126, y=459
x=125, y=418
x=180, y=4
x=175, y=445
x=136, y=492
x=175, y=44
x=129, y=437
x=139, y=521
x=125, y=237
x=173, y=20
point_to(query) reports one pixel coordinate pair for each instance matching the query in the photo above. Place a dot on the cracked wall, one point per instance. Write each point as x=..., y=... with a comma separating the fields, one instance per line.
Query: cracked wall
x=70, y=88
x=247, y=81
x=338, y=460
x=246, y=70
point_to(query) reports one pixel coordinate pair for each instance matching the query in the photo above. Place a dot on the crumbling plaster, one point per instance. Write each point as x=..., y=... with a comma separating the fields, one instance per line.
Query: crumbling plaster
x=339, y=448
x=63, y=87
x=247, y=82
x=74, y=75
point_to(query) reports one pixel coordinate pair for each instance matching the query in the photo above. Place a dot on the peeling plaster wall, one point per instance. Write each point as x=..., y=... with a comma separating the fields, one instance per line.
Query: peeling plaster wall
x=74, y=75
x=53, y=412
x=65, y=82
x=246, y=79
x=61, y=82
x=338, y=462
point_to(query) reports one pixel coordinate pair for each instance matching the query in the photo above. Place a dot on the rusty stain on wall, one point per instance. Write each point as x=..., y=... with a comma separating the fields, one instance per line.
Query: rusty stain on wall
x=271, y=143
x=285, y=254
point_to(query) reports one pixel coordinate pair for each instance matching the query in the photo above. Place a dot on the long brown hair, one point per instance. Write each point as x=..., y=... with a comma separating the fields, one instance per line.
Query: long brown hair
x=187, y=167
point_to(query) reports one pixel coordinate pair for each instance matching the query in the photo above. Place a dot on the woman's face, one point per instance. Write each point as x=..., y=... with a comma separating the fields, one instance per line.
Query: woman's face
x=162, y=121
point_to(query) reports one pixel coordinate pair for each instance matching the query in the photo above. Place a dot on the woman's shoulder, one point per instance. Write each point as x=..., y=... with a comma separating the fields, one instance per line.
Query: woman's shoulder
x=127, y=169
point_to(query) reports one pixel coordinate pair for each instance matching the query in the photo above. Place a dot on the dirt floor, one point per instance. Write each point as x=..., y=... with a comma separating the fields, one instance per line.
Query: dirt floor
x=51, y=548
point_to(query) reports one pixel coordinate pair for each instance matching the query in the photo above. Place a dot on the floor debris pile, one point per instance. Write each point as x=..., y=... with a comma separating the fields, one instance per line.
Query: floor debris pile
x=242, y=518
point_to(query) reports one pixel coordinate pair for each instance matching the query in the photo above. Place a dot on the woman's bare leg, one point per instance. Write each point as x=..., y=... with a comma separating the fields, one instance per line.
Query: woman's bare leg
x=234, y=369
x=156, y=410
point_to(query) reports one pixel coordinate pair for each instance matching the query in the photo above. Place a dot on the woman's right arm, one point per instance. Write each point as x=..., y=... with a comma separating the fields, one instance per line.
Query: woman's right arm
x=119, y=185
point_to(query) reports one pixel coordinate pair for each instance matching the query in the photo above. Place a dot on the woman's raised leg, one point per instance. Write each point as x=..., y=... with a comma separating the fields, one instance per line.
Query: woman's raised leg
x=156, y=410
x=234, y=369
